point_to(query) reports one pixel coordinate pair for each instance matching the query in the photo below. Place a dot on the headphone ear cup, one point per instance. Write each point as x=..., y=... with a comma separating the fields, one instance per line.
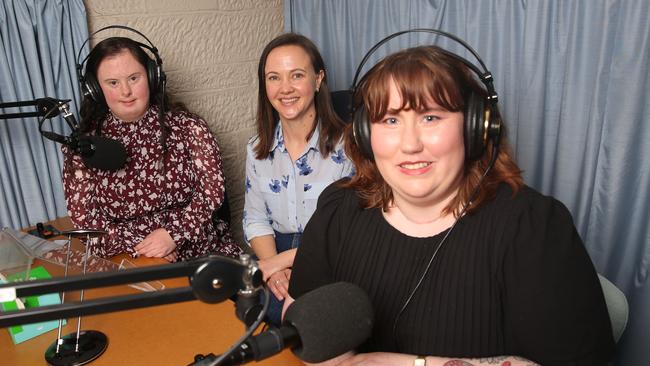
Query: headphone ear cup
x=91, y=88
x=495, y=126
x=474, y=136
x=152, y=76
x=361, y=131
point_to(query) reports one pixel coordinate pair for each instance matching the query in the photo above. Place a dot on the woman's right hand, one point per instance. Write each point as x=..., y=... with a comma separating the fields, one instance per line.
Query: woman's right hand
x=278, y=283
x=271, y=265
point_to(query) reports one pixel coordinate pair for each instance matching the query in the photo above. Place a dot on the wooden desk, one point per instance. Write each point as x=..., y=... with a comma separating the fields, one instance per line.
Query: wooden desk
x=161, y=335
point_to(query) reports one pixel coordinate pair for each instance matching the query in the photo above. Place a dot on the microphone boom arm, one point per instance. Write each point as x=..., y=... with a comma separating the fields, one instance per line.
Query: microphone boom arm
x=43, y=107
x=212, y=279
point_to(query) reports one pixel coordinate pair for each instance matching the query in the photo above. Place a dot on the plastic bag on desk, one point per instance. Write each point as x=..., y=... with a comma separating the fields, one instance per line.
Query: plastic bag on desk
x=142, y=286
x=94, y=263
x=97, y=264
x=31, y=245
x=13, y=257
x=56, y=252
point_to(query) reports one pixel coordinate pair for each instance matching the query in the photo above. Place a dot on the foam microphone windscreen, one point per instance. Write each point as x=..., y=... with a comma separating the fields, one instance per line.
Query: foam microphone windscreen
x=103, y=153
x=330, y=320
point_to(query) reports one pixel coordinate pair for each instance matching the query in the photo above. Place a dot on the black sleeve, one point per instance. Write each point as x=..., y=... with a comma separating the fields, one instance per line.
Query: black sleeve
x=555, y=310
x=312, y=267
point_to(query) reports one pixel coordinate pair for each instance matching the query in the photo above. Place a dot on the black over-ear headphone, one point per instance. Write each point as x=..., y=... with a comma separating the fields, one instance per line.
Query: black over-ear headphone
x=482, y=120
x=89, y=84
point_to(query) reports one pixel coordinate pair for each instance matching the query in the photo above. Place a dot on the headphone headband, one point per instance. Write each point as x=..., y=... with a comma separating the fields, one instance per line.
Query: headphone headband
x=484, y=75
x=151, y=48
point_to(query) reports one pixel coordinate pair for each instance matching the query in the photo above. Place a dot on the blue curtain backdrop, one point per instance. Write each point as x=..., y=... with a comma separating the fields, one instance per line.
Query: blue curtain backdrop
x=39, y=41
x=574, y=86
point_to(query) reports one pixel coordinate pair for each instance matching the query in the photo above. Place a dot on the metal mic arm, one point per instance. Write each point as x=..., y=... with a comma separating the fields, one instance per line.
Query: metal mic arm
x=212, y=279
x=43, y=107
x=67, y=115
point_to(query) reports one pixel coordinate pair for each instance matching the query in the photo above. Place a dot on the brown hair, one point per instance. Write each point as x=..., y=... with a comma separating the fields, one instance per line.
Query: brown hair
x=422, y=74
x=331, y=126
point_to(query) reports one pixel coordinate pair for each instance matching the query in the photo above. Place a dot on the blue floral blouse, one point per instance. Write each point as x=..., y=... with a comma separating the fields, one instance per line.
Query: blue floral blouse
x=281, y=195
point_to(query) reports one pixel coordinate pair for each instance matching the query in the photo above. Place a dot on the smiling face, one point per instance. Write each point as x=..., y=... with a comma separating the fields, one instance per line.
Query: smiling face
x=419, y=153
x=125, y=86
x=291, y=81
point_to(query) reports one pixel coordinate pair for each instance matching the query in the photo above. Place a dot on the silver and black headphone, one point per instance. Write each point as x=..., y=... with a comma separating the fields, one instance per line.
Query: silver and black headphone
x=482, y=120
x=88, y=80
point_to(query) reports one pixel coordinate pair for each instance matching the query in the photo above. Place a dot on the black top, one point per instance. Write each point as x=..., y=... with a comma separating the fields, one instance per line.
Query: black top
x=511, y=279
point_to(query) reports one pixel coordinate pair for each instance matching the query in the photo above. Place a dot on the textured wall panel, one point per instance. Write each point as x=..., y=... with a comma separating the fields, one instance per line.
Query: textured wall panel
x=214, y=42
x=213, y=77
x=233, y=147
x=153, y=7
x=114, y=7
x=223, y=5
x=226, y=110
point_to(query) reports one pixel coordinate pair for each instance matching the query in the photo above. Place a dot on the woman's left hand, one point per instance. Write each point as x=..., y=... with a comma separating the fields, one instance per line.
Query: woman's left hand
x=378, y=359
x=157, y=244
x=278, y=283
x=171, y=257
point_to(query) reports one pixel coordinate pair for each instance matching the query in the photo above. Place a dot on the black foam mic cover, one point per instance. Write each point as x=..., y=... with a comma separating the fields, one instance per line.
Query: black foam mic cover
x=330, y=320
x=102, y=152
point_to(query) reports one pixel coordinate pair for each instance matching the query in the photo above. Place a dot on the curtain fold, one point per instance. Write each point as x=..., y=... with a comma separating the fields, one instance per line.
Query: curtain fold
x=38, y=43
x=573, y=85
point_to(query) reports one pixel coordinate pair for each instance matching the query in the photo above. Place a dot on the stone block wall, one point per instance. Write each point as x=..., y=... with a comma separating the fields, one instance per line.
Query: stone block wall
x=210, y=50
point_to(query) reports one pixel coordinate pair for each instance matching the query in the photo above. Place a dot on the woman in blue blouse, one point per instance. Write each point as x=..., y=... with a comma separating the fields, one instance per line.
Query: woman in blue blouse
x=296, y=153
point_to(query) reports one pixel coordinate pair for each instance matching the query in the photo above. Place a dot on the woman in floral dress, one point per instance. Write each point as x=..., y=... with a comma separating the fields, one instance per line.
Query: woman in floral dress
x=160, y=203
x=296, y=153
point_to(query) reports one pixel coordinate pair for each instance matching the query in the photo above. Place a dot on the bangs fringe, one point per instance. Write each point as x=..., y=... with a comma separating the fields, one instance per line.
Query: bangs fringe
x=419, y=82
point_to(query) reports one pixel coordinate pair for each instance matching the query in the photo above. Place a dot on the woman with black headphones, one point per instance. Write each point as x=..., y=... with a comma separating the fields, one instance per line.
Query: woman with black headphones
x=463, y=263
x=160, y=203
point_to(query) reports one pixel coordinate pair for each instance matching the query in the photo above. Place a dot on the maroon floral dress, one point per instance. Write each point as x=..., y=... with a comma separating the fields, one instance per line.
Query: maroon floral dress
x=177, y=190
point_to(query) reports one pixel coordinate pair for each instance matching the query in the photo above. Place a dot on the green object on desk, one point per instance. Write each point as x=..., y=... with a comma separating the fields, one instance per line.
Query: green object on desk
x=21, y=333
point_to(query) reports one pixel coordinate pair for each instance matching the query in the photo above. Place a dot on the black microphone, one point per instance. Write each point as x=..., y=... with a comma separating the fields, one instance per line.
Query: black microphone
x=101, y=152
x=96, y=151
x=320, y=325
